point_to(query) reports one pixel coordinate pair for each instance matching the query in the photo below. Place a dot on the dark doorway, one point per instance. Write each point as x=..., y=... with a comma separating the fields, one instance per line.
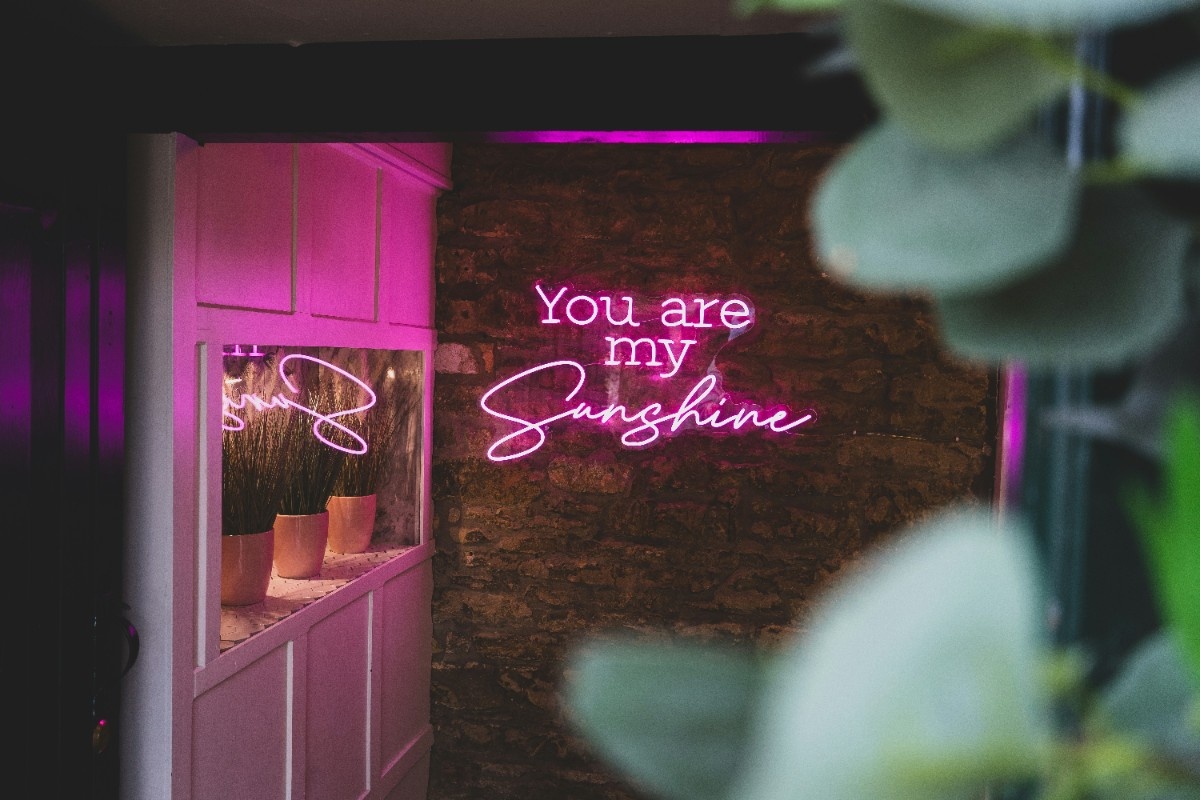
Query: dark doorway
x=62, y=319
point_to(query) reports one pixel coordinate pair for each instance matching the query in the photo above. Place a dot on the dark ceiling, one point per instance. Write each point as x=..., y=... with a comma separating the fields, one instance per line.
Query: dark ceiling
x=432, y=69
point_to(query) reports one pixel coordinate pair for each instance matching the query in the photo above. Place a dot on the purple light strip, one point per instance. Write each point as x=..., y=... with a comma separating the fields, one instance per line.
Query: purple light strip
x=1012, y=437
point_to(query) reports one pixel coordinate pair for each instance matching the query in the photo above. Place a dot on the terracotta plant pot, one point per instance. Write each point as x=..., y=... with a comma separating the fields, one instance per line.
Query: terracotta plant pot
x=246, y=567
x=351, y=523
x=300, y=544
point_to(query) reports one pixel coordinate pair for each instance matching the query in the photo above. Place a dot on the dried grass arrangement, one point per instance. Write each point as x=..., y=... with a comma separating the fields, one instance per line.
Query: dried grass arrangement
x=364, y=474
x=309, y=467
x=252, y=482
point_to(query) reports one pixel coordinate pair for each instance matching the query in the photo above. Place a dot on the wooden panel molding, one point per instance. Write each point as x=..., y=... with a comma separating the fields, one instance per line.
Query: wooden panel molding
x=244, y=226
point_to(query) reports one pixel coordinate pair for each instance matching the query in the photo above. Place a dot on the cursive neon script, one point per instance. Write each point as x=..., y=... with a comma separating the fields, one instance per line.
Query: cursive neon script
x=703, y=407
x=232, y=422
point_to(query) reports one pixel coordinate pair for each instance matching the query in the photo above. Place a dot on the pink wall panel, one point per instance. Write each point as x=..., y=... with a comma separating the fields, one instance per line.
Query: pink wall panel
x=244, y=226
x=337, y=722
x=433, y=155
x=406, y=246
x=336, y=232
x=238, y=737
x=405, y=682
x=414, y=783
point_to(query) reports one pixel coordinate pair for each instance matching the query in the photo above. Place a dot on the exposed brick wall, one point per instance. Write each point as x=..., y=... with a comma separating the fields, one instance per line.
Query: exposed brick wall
x=704, y=536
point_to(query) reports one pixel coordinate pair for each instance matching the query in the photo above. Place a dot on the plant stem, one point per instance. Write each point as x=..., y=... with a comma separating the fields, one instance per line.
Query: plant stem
x=1094, y=80
x=1115, y=171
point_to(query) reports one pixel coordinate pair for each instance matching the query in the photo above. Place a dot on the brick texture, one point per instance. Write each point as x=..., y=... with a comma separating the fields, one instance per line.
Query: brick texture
x=699, y=535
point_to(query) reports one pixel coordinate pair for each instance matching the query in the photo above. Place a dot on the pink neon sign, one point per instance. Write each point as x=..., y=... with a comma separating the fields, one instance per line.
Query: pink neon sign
x=232, y=422
x=704, y=406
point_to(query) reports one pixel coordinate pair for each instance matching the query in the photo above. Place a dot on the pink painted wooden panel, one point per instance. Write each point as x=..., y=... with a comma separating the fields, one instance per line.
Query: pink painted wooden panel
x=244, y=226
x=337, y=722
x=434, y=155
x=239, y=734
x=414, y=784
x=336, y=230
x=404, y=692
x=406, y=248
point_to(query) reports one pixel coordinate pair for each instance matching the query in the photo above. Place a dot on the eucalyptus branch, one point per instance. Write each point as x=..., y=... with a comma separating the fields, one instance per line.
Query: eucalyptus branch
x=1092, y=79
x=1113, y=171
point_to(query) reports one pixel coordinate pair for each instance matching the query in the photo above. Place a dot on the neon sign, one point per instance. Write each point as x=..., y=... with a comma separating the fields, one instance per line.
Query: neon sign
x=704, y=406
x=232, y=422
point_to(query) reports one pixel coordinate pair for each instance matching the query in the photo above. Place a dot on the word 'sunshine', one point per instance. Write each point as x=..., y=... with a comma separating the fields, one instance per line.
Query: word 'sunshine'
x=702, y=407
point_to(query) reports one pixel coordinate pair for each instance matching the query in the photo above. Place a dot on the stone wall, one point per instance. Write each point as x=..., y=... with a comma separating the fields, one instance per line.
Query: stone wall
x=698, y=535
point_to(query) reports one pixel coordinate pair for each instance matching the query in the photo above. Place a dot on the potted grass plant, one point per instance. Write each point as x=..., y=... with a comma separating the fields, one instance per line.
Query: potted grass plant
x=354, y=500
x=309, y=469
x=251, y=490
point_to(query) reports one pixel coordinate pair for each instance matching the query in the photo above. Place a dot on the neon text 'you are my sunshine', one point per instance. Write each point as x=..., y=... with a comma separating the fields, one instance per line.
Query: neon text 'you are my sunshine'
x=680, y=321
x=322, y=421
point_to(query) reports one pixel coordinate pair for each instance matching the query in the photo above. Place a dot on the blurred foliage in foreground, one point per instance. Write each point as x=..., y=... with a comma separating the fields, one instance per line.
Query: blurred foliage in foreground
x=927, y=673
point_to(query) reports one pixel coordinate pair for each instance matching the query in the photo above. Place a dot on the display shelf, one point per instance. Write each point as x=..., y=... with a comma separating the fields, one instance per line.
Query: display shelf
x=305, y=249
x=286, y=596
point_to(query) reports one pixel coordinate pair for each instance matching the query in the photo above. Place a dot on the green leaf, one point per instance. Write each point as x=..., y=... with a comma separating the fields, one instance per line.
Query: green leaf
x=918, y=677
x=954, y=86
x=1116, y=294
x=1154, y=697
x=1170, y=527
x=1158, y=135
x=1136, y=421
x=674, y=718
x=894, y=215
x=745, y=8
x=1064, y=16
x=1152, y=706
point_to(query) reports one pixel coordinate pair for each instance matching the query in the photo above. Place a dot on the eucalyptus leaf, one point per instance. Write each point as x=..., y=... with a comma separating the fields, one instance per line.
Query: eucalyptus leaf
x=748, y=7
x=895, y=215
x=1158, y=135
x=839, y=61
x=1117, y=293
x=1152, y=703
x=954, y=86
x=1061, y=16
x=1137, y=420
x=675, y=718
x=1170, y=527
x=917, y=677
x=1191, y=276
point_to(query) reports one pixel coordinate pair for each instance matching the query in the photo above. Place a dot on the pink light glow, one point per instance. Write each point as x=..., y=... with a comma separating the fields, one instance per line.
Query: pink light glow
x=232, y=422
x=702, y=407
x=1012, y=447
